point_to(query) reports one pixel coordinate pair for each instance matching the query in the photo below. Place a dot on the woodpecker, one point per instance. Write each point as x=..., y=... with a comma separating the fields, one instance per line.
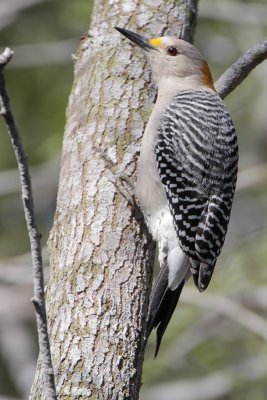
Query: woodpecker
x=187, y=172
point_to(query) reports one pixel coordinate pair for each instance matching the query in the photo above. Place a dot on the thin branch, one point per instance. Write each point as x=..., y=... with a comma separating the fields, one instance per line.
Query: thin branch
x=216, y=385
x=251, y=177
x=205, y=327
x=43, y=176
x=11, y=9
x=49, y=53
x=211, y=387
x=209, y=326
x=235, y=12
x=238, y=71
x=15, y=270
x=17, y=346
x=34, y=236
x=228, y=307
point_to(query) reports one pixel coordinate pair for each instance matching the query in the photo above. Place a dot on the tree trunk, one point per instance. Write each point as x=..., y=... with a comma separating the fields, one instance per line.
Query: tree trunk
x=101, y=254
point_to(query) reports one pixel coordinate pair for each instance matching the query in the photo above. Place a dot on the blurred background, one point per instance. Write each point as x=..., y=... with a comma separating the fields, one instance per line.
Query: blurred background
x=215, y=346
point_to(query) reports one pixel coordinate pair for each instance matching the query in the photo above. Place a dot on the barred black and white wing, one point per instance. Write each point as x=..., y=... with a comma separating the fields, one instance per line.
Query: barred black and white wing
x=197, y=154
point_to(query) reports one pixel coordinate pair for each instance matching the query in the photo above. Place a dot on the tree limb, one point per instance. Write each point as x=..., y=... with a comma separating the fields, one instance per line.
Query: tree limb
x=228, y=307
x=235, y=12
x=238, y=71
x=43, y=176
x=15, y=270
x=209, y=325
x=49, y=53
x=34, y=236
x=11, y=9
x=252, y=177
x=216, y=385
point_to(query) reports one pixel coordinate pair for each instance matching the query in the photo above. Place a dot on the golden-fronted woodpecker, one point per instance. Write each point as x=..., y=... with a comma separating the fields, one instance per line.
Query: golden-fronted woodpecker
x=187, y=172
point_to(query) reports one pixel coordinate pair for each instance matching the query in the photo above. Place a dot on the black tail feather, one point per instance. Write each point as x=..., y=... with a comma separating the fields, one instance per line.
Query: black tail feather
x=156, y=297
x=162, y=305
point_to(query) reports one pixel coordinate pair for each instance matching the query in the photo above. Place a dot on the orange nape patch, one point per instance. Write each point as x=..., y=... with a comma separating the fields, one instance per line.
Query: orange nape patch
x=206, y=76
x=156, y=42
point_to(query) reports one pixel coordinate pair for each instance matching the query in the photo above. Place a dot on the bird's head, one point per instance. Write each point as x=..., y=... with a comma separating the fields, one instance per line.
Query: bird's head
x=172, y=58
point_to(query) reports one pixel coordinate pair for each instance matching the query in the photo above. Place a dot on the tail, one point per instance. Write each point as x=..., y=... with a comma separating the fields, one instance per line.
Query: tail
x=162, y=304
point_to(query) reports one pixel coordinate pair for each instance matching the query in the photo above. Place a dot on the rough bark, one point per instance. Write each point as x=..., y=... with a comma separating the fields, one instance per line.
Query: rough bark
x=101, y=254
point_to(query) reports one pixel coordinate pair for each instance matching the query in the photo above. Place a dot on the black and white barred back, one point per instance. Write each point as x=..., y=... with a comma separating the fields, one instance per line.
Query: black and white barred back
x=197, y=156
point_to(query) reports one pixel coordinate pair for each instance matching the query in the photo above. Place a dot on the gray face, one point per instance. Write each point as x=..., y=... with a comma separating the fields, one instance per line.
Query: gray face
x=174, y=58
x=169, y=57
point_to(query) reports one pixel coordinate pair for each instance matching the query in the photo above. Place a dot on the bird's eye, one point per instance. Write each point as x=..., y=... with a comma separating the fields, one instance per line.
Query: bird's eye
x=172, y=51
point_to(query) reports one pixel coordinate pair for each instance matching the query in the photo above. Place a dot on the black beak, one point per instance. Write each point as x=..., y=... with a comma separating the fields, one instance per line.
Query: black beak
x=135, y=38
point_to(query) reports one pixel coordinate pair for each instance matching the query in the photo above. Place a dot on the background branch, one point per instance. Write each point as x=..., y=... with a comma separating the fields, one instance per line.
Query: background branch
x=49, y=53
x=240, y=69
x=216, y=385
x=15, y=270
x=252, y=177
x=11, y=9
x=228, y=307
x=43, y=176
x=38, y=281
x=236, y=12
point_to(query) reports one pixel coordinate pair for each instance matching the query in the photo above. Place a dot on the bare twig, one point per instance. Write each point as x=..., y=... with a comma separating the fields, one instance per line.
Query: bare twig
x=236, y=12
x=251, y=177
x=43, y=176
x=228, y=307
x=18, y=350
x=209, y=325
x=216, y=385
x=238, y=71
x=49, y=53
x=11, y=9
x=38, y=284
x=210, y=387
x=15, y=270
x=206, y=326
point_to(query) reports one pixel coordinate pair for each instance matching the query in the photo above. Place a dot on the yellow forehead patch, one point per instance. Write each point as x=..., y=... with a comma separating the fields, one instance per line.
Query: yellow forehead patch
x=156, y=42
